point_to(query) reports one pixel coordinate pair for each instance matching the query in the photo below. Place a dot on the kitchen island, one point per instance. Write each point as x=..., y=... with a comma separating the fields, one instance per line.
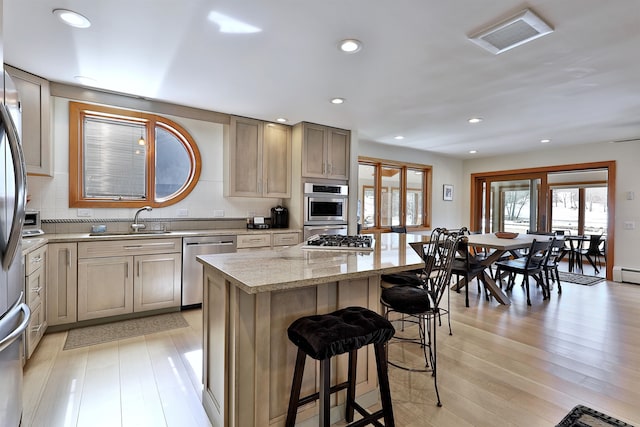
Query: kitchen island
x=250, y=299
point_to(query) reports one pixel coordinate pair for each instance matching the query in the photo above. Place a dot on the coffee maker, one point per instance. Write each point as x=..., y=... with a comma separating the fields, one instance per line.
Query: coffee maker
x=279, y=217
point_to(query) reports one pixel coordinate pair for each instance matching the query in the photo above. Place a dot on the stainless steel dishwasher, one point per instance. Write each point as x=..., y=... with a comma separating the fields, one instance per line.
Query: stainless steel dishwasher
x=192, y=269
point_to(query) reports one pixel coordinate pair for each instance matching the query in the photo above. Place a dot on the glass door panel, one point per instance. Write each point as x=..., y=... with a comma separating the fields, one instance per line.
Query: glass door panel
x=514, y=205
x=415, y=204
x=595, y=210
x=565, y=211
x=390, y=207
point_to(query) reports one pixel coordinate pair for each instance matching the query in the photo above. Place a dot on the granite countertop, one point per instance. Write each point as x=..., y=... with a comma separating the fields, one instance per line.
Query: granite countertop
x=292, y=267
x=30, y=244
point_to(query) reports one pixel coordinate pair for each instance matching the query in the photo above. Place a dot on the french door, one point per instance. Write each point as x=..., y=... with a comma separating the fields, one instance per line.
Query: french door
x=511, y=203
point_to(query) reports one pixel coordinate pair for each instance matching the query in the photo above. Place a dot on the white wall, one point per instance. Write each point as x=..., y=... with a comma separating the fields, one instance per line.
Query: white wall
x=446, y=170
x=626, y=156
x=51, y=195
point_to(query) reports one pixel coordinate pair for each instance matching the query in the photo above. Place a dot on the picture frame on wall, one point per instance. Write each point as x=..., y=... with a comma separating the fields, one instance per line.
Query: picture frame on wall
x=447, y=192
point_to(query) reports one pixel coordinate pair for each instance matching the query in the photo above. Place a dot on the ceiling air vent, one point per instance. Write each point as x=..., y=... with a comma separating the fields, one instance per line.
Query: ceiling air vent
x=517, y=30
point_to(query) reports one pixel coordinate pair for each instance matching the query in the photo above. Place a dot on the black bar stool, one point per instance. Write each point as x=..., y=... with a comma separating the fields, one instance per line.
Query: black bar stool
x=324, y=336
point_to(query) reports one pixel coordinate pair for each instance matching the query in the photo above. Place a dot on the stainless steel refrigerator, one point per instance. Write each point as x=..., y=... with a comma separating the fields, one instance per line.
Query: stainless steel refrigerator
x=14, y=313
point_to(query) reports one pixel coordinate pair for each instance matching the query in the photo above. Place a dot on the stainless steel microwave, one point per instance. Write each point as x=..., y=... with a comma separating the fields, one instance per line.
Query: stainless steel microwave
x=32, y=226
x=325, y=204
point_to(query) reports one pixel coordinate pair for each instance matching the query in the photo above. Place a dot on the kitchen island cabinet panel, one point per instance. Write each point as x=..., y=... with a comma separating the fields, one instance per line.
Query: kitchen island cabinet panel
x=248, y=359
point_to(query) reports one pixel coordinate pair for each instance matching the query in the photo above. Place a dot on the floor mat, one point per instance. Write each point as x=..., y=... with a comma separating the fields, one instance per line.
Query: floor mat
x=579, y=279
x=582, y=416
x=91, y=335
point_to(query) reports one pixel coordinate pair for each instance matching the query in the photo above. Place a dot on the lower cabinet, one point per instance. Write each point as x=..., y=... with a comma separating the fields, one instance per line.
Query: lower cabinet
x=105, y=287
x=35, y=297
x=157, y=283
x=141, y=281
x=62, y=283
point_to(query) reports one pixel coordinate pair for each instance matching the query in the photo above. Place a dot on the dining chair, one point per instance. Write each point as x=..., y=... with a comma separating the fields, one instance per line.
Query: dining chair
x=592, y=252
x=468, y=266
x=424, y=305
x=575, y=252
x=530, y=266
x=556, y=252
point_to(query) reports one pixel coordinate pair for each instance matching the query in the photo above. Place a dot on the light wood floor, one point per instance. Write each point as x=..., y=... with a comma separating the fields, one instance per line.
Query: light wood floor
x=503, y=366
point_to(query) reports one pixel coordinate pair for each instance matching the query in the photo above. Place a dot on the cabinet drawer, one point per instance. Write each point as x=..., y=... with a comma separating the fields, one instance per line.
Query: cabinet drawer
x=35, y=260
x=284, y=239
x=128, y=247
x=35, y=330
x=254, y=240
x=35, y=287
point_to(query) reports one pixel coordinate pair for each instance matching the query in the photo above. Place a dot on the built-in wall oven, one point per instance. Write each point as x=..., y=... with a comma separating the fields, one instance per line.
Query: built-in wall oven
x=325, y=209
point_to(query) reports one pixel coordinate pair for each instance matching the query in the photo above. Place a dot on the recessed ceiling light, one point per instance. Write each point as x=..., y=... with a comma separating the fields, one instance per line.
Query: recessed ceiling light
x=350, y=45
x=475, y=120
x=281, y=120
x=473, y=151
x=86, y=81
x=72, y=18
x=398, y=137
x=545, y=141
x=337, y=100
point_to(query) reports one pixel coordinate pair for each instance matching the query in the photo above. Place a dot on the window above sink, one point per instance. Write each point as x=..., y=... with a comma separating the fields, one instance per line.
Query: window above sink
x=124, y=158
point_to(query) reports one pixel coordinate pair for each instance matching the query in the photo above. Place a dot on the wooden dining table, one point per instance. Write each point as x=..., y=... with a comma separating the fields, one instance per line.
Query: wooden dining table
x=496, y=246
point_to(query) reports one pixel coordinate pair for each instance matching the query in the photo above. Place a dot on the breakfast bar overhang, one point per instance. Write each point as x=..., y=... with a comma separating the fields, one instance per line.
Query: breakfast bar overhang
x=251, y=298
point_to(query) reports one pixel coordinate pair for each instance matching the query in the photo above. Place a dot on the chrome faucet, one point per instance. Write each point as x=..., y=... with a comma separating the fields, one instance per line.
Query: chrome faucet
x=136, y=226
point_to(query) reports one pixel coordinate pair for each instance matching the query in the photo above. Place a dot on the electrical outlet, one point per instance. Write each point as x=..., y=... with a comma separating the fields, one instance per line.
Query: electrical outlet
x=85, y=212
x=182, y=212
x=251, y=214
x=629, y=225
x=218, y=213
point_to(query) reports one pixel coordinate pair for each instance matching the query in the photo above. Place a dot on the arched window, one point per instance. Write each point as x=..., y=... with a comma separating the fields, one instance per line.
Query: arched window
x=124, y=158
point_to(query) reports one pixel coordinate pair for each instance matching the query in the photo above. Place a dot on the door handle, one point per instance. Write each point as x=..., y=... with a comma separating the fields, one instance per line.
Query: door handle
x=20, y=179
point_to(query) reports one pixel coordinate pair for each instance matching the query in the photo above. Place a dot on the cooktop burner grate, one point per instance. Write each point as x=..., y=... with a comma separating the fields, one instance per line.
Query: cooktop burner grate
x=332, y=241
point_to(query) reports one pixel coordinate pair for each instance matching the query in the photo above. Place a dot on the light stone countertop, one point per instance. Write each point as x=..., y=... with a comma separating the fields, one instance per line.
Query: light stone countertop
x=293, y=267
x=29, y=244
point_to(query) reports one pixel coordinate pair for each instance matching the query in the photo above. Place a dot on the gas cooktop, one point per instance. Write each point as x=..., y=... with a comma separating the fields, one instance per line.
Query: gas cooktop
x=337, y=242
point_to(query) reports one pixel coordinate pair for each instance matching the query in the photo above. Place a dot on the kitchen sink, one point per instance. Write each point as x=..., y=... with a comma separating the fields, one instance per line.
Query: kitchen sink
x=130, y=233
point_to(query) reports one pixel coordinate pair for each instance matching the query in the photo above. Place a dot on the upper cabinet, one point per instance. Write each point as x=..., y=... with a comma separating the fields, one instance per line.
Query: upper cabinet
x=36, y=139
x=325, y=152
x=259, y=159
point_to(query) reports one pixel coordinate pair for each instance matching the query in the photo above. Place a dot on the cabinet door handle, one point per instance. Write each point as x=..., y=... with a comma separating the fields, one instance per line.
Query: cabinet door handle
x=68, y=254
x=138, y=269
x=37, y=290
x=126, y=274
x=36, y=260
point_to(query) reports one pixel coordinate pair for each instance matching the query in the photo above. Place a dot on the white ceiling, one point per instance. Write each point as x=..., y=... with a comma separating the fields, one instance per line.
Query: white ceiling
x=418, y=75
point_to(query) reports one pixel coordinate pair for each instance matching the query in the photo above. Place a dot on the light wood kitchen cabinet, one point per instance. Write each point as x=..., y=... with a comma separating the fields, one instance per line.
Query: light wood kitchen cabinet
x=62, y=283
x=147, y=277
x=34, y=96
x=35, y=284
x=253, y=241
x=286, y=239
x=157, y=283
x=325, y=152
x=105, y=287
x=259, y=159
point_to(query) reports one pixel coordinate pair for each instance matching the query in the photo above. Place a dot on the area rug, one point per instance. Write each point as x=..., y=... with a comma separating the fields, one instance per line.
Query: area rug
x=579, y=279
x=582, y=416
x=91, y=335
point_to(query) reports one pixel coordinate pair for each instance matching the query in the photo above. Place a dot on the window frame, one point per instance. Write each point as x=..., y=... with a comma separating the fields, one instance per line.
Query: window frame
x=378, y=165
x=77, y=113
